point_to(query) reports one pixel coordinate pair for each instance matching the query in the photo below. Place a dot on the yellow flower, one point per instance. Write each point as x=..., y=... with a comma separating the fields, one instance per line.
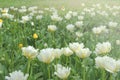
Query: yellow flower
x=1, y=20
x=35, y=36
x=20, y=45
x=63, y=8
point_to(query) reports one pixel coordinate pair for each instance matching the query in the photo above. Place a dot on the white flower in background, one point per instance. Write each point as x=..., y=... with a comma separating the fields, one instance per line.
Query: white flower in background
x=108, y=63
x=22, y=10
x=38, y=17
x=75, y=46
x=46, y=55
x=80, y=17
x=47, y=9
x=83, y=4
x=70, y=27
x=92, y=14
x=55, y=17
x=78, y=34
x=9, y=16
x=99, y=30
x=74, y=13
x=103, y=48
x=29, y=52
x=40, y=11
x=26, y=18
x=117, y=65
x=1, y=22
x=100, y=62
x=57, y=53
x=79, y=24
x=5, y=11
x=112, y=24
x=68, y=16
x=23, y=7
x=118, y=42
x=67, y=51
x=16, y=75
x=32, y=23
x=52, y=28
x=61, y=71
x=83, y=53
x=32, y=8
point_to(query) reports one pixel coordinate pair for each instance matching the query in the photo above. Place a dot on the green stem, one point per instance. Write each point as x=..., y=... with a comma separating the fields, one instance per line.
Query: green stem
x=84, y=70
x=48, y=71
x=28, y=66
x=103, y=74
x=111, y=77
x=66, y=60
x=53, y=38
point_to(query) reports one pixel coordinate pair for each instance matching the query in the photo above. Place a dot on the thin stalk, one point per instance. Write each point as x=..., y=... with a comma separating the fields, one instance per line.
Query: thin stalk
x=84, y=71
x=111, y=77
x=103, y=74
x=48, y=68
x=28, y=66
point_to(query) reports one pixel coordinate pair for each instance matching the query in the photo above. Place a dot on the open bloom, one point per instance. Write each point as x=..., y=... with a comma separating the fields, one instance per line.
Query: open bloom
x=67, y=51
x=112, y=24
x=79, y=24
x=103, y=48
x=83, y=53
x=29, y=52
x=1, y=22
x=109, y=64
x=75, y=46
x=57, y=53
x=70, y=27
x=62, y=72
x=99, y=30
x=46, y=55
x=52, y=28
x=17, y=75
x=55, y=17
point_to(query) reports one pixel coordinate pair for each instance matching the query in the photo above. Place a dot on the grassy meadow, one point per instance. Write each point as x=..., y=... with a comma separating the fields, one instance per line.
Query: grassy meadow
x=59, y=40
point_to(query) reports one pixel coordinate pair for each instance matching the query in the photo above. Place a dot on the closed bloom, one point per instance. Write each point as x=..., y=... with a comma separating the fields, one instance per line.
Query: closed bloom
x=52, y=28
x=17, y=75
x=20, y=45
x=83, y=53
x=46, y=55
x=29, y=52
x=67, y=51
x=103, y=48
x=35, y=36
x=75, y=46
x=62, y=72
x=70, y=27
x=1, y=22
